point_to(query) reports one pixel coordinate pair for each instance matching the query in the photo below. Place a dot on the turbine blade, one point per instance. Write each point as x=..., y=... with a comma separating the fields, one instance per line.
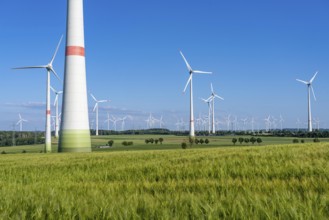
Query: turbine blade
x=313, y=93
x=203, y=72
x=313, y=77
x=187, y=64
x=56, y=100
x=30, y=67
x=102, y=101
x=93, y=97
x=52, y=70
x=188, y=81
x=210, y=98
x=95, y=106
x=53, y=58
x=52, y=89
x=212, y=89
x=302, y=81
x=219, y=97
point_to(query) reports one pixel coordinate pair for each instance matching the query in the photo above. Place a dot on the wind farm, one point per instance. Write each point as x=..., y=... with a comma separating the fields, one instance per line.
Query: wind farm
x=167, y=145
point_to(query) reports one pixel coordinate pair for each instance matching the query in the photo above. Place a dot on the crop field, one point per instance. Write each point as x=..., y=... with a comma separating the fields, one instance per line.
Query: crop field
x=286, y=181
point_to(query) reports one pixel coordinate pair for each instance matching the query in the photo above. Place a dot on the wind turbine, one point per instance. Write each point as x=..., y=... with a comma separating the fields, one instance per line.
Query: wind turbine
x=252, y=124
x=123, y=123
x=281, y=121
x=20, y=122
x=115, y=120
x=189, y=81
x=49, y=68
x=212, y=97
x=108, y=121
x=160, y=121
x=208, y=101
x=96, y=108
x=309, y=88
x=57, y=93
x=244, y=120
x=268, y=123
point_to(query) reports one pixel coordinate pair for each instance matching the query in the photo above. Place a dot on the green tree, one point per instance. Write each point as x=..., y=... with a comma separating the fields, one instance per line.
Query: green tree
x=196, y=141
x=161, y=140
x=316, y=140
x=246, y=140
x=234, y=140
x=253, y=140
x=191, y=141
x=241, y=140
x=201, y=141
x=156, y=141
x=259, y=140
x=184, y=145
x=206, y=141
x=110, y=143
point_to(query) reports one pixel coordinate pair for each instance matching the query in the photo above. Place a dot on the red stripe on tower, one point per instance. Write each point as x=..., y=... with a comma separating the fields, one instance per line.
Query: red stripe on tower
x=75, y=51
x=48, y=112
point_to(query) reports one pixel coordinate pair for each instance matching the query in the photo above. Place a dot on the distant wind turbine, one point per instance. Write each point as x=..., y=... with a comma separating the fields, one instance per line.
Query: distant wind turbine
x=96, y=108
x=208, y=101
x=189, y=81
x=57, y=93
x=281, y=120
x=212, y=97
x=309, y=88
x=20, y=122
x=108, y=121
x=49, y=68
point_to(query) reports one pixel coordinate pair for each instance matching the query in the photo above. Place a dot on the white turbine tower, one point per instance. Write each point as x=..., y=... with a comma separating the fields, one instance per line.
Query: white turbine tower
x=123, y=123
x=208, y=101
x=20, y=122
x=190, y=81
x=49, y=68
x=108, y=121
x=160, y=121
x=96, y=108
x=244, y=120
x=115, y=120
x=57, y=93
x=268, y=123
x=309, y=88
x=281, y=120
x=212, y=97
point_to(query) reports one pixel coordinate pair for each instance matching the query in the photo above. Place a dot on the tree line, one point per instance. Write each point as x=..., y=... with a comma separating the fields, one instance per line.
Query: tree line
x=14, y=138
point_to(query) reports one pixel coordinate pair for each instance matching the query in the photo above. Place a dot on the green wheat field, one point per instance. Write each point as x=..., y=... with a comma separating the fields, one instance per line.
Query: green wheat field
x=277, y=180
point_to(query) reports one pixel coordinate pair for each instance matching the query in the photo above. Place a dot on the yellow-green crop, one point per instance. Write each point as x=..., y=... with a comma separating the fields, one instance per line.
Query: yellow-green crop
x=269, y=182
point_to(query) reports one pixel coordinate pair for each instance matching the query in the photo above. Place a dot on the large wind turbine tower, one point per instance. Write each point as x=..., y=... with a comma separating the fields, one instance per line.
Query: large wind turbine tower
x=75, y=133
x=189, y=81
x=309, y=88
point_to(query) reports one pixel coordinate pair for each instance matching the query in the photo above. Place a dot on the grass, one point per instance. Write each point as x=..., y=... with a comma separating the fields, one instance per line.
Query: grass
x=263, y=182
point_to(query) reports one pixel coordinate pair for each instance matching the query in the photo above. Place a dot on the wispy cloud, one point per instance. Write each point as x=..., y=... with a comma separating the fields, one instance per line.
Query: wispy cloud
x=29, y=105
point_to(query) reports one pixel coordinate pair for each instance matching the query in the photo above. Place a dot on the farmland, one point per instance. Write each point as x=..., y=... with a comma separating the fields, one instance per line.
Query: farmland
x=170, y=142
x=283, y=181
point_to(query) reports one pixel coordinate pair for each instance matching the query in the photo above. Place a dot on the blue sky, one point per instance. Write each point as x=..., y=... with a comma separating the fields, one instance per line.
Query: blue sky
x=255, y=49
